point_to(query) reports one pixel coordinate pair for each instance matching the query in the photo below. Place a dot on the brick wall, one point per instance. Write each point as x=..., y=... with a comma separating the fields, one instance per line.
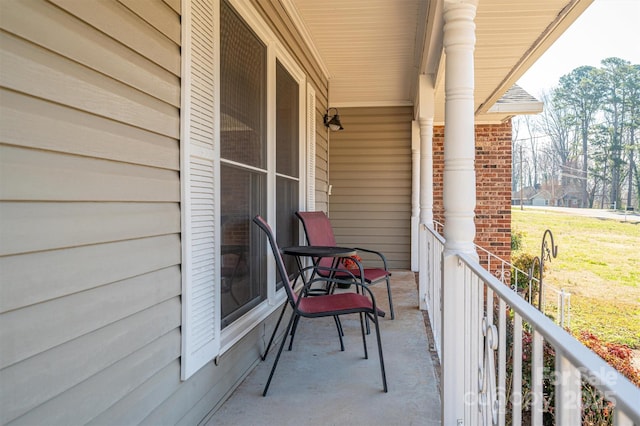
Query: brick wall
x=493, y=183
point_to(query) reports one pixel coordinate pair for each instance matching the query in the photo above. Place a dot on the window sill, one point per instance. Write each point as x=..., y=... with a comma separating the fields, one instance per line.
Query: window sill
x=242, y=326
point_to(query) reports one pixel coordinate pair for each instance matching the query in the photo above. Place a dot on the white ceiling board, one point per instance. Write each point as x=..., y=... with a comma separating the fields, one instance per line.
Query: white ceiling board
x=372, y=49
x=368, y=46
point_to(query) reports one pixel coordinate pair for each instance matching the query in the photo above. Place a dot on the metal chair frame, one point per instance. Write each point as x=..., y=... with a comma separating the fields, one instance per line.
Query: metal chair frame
x=331, y=305
x=361, y=273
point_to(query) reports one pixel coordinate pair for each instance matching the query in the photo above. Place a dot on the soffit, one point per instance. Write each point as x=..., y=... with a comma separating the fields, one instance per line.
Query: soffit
x=510, y=37
x=372, y=50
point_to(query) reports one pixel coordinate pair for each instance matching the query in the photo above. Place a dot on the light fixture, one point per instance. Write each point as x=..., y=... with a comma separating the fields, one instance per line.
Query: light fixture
x=333, y=121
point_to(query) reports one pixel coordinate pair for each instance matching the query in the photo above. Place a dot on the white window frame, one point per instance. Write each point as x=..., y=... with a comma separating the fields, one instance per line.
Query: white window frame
x=224, y=339
x=240, y=327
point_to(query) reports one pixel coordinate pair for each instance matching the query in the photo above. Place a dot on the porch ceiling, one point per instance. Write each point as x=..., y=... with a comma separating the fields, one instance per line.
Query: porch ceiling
x=373, y=50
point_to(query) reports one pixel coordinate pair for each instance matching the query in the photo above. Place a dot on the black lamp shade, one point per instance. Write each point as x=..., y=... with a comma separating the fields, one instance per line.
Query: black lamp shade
x=333, y=123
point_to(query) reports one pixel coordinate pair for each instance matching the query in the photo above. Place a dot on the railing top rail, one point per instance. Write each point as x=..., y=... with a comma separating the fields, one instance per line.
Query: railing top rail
x=599, y=373
x=436, y=234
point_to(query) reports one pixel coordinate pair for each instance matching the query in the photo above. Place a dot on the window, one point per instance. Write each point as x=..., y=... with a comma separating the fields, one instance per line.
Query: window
x=243, y=171
x=242, y=132
x=246, y=169
x=287, y=161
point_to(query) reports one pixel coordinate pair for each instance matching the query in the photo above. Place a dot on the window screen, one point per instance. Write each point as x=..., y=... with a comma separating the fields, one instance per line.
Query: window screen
x=243, y=85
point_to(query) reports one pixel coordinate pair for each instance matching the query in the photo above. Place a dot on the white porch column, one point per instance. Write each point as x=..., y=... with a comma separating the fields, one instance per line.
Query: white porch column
x=459, y=198
x=425, y=121
x=427, y=110
x=415, y=195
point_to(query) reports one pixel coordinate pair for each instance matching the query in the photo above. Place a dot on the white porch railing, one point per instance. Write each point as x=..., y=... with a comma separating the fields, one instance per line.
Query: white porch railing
x=518, y=362
x=504, y=271
x=433, y=297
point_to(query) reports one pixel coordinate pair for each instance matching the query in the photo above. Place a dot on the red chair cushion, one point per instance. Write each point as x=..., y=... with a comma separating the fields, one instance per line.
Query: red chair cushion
x=336, y=303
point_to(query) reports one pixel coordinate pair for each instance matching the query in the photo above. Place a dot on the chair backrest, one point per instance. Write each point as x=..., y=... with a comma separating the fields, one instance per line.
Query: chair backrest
x=318, y=230
x=282, y=270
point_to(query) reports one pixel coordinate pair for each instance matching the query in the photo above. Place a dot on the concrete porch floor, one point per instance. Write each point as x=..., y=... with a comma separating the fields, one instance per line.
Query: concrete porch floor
x=317, y=384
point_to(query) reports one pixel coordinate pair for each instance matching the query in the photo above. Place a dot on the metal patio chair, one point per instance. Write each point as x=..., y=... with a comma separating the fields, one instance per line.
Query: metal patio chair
x=319, y=232
x=330, y=305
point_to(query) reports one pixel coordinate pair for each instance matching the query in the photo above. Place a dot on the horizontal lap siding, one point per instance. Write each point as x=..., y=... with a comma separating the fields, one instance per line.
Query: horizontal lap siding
x=89, y=200
x=370, y=174
x=90, y=254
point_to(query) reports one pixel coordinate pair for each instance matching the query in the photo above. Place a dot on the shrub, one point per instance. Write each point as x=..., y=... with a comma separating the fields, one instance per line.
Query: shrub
x=596, y=410
x=516, y=240
x=520, y=281
x=618, y=356
x=548, y=375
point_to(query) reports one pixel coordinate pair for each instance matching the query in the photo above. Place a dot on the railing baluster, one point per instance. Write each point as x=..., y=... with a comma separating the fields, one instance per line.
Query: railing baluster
x=479, y=314
x=493, y=401
x=438, y=294
x=470, y=370
x=516, y=394
x=621, y=419
x=569, y=311
x=537, y=372
x=502, y=361
x=568, y=392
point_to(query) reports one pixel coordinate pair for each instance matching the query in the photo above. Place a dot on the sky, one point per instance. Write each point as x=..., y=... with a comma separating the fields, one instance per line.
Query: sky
x=608, y=28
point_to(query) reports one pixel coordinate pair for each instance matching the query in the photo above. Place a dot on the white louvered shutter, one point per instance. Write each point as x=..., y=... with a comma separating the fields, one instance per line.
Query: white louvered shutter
x=200, y=293
x=311, y=148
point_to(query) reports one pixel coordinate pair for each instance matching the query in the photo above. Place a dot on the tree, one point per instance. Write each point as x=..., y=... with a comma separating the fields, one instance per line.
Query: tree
x=580, y=94
x=599, y=163
x=556, y=123
x=633, y=85
x=592, y=124
x=619, y=89
x=515, y=163
x=529, y=123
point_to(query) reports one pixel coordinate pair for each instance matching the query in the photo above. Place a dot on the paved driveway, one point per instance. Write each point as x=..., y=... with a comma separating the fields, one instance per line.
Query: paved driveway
x=597, y=213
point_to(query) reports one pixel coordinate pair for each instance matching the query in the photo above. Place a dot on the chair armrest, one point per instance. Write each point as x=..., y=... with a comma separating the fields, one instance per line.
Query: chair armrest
x=351, y=280
x=327, y=270
x=377, y=253
x=321, y=274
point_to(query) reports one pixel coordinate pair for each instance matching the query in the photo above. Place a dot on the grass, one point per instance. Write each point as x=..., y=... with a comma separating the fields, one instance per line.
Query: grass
x=598, y=262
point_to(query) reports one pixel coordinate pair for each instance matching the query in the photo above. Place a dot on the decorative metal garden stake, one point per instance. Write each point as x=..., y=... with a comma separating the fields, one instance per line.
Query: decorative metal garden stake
x=546, y=252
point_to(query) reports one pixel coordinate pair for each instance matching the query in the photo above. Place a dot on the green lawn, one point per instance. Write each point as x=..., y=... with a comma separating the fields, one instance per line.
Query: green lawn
x=598, y=263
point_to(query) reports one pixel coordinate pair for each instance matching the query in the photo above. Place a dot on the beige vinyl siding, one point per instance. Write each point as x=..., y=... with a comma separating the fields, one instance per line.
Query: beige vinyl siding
x=322, y=161
x=90, y=244
x=370, y=160
x=89, y=200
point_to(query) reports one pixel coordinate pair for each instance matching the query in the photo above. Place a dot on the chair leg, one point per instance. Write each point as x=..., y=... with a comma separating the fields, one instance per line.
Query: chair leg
x=364, y=338
x=384, y=375
x=273, y=335
x=340, y=332
x=366, y=318
x=275, y=363
x=338, y=326
x=393, y=315
x=293, y=330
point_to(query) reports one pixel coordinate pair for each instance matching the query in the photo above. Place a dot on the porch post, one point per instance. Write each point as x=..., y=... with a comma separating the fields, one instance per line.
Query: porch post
x=427, y=100
x=425, y=119
x=415, y=195
x=459, y=198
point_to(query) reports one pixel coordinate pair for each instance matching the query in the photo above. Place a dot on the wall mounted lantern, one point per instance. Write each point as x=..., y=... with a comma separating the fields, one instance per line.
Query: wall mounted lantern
x=333, y=121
